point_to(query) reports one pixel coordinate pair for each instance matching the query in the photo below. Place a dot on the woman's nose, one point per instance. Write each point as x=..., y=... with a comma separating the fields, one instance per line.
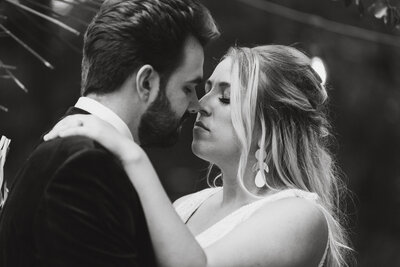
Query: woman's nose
x=204, y=106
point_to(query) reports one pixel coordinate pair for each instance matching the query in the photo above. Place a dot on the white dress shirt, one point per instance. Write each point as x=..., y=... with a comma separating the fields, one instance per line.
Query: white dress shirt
x=99, y=110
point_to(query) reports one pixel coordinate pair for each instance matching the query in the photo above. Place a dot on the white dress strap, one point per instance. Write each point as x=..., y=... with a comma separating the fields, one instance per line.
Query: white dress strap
x=192, y=202
x=254, y=206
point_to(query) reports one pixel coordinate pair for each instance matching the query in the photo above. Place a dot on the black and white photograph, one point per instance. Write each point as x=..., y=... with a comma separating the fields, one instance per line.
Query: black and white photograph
x=199, y=133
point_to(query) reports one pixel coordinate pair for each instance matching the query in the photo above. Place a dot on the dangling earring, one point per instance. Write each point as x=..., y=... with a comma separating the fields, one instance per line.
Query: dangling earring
x=259, y=180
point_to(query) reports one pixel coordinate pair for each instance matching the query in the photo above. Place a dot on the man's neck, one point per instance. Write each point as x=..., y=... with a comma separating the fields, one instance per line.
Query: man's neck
x=121, y=108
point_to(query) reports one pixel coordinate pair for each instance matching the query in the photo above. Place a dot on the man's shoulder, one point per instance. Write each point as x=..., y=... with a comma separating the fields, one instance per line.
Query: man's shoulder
x=60, y=149
x=83, y=166
x=77, y=163
x=76, y=154
x=67, y=145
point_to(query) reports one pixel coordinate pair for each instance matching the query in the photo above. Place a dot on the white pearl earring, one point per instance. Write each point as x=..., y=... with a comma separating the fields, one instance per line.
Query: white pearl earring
x=259, y=179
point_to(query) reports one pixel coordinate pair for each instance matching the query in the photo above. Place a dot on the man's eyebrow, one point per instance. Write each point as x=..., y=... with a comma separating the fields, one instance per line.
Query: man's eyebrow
x=196, y=80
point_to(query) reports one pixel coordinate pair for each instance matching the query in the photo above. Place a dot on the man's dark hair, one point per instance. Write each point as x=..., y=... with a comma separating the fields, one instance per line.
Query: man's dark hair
x=126, y=34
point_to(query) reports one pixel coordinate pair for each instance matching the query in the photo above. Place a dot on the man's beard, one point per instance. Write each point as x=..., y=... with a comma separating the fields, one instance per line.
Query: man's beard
x=159, y=125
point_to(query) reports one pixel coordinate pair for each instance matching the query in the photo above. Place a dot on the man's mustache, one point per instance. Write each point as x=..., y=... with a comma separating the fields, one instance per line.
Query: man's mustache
x=185, y=116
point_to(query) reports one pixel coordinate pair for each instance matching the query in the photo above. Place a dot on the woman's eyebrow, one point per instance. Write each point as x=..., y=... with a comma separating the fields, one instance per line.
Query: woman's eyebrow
x=224, y=85
x=220, y=84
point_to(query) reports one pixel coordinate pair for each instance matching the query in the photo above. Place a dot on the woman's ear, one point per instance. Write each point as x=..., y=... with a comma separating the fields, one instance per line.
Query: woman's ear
x=147, y=84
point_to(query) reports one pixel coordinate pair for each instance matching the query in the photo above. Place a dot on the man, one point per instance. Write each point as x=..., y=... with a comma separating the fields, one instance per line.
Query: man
x=72, y=204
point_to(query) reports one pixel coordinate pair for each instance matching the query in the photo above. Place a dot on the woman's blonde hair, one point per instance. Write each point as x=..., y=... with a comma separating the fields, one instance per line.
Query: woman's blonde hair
x=276, y=91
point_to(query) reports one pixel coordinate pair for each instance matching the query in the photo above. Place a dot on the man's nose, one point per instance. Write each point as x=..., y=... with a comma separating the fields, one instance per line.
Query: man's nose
x=194, y=105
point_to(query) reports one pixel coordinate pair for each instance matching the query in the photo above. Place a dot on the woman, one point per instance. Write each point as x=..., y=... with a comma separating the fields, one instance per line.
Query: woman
x=262, y=123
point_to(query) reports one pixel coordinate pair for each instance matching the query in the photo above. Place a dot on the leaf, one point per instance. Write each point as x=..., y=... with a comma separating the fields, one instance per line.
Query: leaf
x=3, y=108
x=347, y=3
x=378, y=9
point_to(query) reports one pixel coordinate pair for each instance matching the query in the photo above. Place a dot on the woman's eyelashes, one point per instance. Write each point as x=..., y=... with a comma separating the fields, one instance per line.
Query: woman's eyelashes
x=223, y=91
x=222, y=98
x=225, y=100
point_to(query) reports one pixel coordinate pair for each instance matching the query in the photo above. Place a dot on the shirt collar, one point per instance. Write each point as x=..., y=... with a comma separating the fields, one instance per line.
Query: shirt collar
x=96, y=108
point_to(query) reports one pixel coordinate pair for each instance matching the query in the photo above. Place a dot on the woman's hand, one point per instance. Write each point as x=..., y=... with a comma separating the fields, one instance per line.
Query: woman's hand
x=101, y=131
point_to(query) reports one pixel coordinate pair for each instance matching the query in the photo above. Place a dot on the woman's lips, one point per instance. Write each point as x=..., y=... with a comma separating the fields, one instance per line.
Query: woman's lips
x=201, y=125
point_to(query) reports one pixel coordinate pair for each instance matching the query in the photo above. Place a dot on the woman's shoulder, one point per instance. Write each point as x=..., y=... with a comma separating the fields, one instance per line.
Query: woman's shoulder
x=187, y=205
x=303, y=208
x=284, y=230
x=196, y=196
x=295, y=204
x=301, y=219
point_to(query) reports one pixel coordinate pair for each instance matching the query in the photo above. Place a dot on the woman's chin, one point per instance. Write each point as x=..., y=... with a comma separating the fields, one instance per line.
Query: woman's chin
x=199, y=149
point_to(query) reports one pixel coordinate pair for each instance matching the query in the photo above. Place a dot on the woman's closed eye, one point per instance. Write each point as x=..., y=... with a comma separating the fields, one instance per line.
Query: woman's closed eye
x=226, y=93
x=225, y=100
x=222, y=87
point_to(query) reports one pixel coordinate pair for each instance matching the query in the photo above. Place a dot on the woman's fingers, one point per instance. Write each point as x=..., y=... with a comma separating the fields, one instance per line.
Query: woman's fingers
x=55, y=131
x=72, y=121
x=75, y=131
x=101, y=131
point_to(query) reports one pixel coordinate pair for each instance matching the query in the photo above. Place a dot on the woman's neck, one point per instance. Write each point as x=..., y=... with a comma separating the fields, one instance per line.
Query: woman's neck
x=233, y=193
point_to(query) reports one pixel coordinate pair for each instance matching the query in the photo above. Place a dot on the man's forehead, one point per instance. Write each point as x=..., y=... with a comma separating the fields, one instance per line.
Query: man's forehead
x=193, y=58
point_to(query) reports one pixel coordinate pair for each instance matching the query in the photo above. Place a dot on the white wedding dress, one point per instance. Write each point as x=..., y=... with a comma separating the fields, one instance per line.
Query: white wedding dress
x=192, y=202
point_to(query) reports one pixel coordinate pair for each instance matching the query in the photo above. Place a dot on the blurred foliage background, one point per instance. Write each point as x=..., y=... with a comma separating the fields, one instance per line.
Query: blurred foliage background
x=359, y=42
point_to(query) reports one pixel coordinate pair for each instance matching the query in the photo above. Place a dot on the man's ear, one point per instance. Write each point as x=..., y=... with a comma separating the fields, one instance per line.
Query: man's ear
x=147, y=84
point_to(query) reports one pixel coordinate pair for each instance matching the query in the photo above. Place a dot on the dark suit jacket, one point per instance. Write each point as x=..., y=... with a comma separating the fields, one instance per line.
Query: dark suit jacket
x=72, y=204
